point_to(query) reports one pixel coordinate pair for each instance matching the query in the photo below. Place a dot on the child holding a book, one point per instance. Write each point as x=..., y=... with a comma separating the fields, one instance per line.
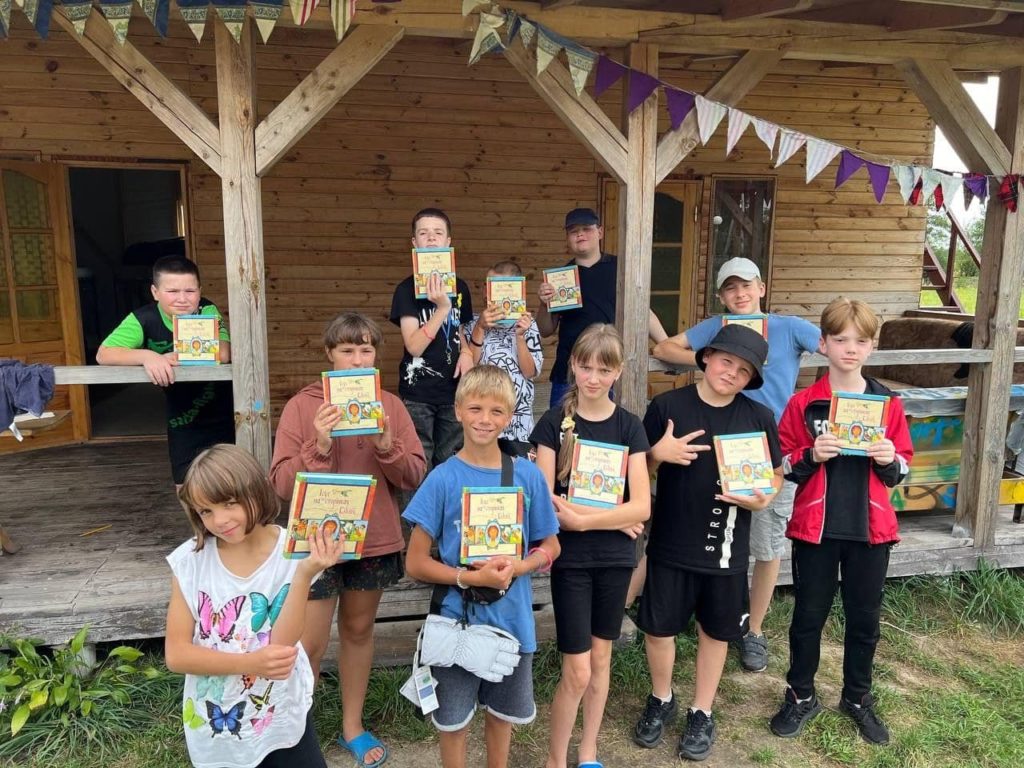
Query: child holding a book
x=235, y=617
x=700, y=537
x=590, y=579
x=741, y=290
x=515, y=349
x=484, y=403
x=395, y=458
x=434, y=354
x=199, y=414
x=843, y=520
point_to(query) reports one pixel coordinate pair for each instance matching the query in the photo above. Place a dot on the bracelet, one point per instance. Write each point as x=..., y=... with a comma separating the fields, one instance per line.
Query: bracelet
x=458, y=578
x=473, y=341
x=547, y=557
x=427, y=334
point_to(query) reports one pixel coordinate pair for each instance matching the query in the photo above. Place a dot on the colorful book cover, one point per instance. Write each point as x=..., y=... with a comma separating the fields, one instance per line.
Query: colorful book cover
x=566, y=281
x=508, y=293
x=357, y=393
x=598, y=474
x=744, y=463
x=197, y=339
x=339, y=504
x=857, y=420
x=757, y=323
x=492, y=523
x=430, y=261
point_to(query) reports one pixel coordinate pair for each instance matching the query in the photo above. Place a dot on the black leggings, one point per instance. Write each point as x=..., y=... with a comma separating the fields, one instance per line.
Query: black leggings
x=306, y=753
x=816, y=569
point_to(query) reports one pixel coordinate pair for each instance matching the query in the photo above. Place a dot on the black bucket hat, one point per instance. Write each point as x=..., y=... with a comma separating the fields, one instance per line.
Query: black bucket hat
x=745, y=343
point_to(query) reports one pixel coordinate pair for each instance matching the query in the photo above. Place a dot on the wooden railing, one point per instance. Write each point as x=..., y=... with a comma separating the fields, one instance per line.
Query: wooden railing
x=939, y=277
x=133, y=374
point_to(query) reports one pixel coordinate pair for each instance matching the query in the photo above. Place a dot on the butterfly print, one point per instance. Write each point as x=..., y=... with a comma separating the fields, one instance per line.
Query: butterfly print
x=259, y=724
x=230, y=721
x=222, y=621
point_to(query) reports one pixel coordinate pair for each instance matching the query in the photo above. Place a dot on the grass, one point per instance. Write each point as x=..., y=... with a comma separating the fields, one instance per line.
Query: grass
x=949, y=682
x=966, y=291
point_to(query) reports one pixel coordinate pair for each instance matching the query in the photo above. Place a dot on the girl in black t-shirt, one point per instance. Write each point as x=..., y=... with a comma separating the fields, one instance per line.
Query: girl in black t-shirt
x=590, y=579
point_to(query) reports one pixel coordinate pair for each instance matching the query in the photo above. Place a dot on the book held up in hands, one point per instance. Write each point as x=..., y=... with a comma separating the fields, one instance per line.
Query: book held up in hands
x=858, y=420
x=492, y=523
x=744, y=463
x=357, y=393
x=566, y=282
x=508, y=293
x=197, y=339
x=598, y=474
x=340, y=505
x=433, y=261
x=757, y=323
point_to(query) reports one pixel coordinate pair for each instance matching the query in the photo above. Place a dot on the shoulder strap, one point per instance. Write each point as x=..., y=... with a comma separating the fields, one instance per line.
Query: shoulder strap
x=506, y=470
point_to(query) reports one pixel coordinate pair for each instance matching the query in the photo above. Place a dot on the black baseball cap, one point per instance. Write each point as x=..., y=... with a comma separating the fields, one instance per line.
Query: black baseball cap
x=581, y=217
x=745, y=343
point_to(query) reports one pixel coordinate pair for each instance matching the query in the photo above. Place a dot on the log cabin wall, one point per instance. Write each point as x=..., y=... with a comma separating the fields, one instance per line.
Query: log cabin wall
x=423, y=129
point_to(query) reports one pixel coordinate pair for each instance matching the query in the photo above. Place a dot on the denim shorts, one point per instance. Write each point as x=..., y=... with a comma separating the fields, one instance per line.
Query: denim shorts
x=768, y=527
x=459, y=692
x=366, y=574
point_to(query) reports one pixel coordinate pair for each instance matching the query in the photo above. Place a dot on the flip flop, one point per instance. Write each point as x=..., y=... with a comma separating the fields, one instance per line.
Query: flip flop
x=590, y=764
x=362, y=744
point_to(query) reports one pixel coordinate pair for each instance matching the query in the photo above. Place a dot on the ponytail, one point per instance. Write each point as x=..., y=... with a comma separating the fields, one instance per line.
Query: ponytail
x=568, y=441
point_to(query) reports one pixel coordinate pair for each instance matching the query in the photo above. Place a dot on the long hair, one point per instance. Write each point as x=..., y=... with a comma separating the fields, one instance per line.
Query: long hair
x=599, y=343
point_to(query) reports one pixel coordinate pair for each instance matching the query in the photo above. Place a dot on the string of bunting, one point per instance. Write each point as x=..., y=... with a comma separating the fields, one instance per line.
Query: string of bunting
x=917, y=184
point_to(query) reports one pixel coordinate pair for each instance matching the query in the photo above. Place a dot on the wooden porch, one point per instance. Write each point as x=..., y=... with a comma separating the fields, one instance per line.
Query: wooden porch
x=94, y=553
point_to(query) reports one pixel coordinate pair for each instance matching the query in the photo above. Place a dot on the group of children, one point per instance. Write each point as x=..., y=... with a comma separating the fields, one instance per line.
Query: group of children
x=249, y=628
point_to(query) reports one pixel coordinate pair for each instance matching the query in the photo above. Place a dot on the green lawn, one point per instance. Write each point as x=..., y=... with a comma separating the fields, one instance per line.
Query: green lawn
x=967, y=291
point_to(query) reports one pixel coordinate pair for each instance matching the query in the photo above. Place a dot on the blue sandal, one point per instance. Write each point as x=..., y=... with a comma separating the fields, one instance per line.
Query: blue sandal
x=590, y=764
x=362, y=744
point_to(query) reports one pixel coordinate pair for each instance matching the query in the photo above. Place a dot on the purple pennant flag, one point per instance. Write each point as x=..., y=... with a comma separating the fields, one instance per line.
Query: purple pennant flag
x=977, y=184
x=879, y=178
x=848, y=165
x=641, y=85
x=679, y=105
x=608, y=74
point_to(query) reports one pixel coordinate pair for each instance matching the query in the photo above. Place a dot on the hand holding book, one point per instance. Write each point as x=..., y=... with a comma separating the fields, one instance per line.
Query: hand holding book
x=325, y=550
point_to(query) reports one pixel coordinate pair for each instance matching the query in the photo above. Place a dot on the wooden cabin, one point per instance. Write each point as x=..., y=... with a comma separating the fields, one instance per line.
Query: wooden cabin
x=289, y=171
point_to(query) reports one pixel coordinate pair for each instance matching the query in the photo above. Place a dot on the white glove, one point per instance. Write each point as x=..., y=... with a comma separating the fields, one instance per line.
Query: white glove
x=488, y=652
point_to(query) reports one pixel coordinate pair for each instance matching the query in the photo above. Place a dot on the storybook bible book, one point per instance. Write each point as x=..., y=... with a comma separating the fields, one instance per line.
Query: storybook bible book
x=339, y=504
x=744, y=463
x=508, y=293
x=492, y=523
x=433, y=261
x=197, y=339
x=357, y=393
x=566, y=282
x=597, y=477
x=858, y=420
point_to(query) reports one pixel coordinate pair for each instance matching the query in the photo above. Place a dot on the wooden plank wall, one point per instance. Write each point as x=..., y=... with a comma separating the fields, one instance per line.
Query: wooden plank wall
x=423, y=129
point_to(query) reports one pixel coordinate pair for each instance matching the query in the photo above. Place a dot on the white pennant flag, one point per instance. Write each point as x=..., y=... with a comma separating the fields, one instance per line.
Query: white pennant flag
x=931, y=181
x=789, y=143
x=907, y=176
x=766, y=132
x=709, y=115
x=527, y=31
x=819, y=155
x=487, y=38
x=738, y=122
x=468, y=6
x=547, y=49
x=950, y=184
x=581, y=64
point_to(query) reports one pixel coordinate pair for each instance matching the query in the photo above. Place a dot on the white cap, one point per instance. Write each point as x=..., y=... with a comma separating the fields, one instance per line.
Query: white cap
x=737, y=267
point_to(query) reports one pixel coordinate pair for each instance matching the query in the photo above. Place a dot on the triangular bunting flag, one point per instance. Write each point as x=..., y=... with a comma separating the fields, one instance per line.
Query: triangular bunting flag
x=512, y=22
x=148, y=9
x=233, y=17
x=679, y=105
x=879, y=175
x=5, y=15
x=31, y=9
x=1008, y=190
x=738, y=122
x=609, y=72
x=548, y=46
x=266, y=14
x=789, y=143
x=194, y=14
x=949, y=184
x=44, y=9
x=819, y=155
x=78, y=13
x=118, y=15
x=302, y=10
x=848, y=165
x=930, y=180
x=162, y=17
x=487, y=37
x=975, y=186
x=527, y=32
x=342, y=12
x=709, y=115
x=907, y=177
x=767, y=132
x=581, y=63
x=468, y=6
x=641, y=85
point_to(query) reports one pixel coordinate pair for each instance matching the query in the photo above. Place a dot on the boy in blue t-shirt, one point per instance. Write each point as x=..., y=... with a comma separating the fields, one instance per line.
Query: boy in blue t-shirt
x=484, y=404
x=741, y=290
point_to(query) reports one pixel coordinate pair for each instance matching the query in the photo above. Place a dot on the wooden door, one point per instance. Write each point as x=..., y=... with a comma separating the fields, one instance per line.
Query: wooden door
x=39, y=318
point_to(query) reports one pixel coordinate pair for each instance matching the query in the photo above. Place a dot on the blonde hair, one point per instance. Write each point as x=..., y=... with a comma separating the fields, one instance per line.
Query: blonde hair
x=352, y=328
x=842, y=311
x=487, y=381
x=224, y=473
x=601, y=343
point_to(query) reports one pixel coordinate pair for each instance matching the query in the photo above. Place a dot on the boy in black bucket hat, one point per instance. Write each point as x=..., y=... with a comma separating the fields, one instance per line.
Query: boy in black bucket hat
x=698, y=548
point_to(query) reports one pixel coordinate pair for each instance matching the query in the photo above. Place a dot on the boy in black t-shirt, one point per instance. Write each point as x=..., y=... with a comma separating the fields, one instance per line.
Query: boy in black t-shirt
x=698, y=549
x=435, y=354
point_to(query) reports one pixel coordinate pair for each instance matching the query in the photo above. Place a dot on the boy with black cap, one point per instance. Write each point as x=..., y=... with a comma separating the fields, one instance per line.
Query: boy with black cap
x=598, y=275
x=699, y=543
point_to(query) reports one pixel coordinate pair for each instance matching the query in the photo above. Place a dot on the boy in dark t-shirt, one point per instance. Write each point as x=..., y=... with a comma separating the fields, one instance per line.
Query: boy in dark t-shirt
x=434, y=355
x=698, y=549
x=199, y=413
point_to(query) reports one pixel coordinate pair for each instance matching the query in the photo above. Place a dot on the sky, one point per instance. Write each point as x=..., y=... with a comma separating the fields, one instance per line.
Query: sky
x=984, y=95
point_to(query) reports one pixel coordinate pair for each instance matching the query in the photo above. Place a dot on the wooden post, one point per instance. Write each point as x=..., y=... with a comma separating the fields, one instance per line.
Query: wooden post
x=243, y=239
x=1002, y=270
x=636, y=229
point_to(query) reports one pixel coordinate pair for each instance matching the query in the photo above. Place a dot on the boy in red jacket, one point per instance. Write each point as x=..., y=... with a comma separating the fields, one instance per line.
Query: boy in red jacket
x=842, y=520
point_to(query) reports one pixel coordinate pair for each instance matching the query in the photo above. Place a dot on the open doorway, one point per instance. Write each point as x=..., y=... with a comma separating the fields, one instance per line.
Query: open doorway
x=124, y=219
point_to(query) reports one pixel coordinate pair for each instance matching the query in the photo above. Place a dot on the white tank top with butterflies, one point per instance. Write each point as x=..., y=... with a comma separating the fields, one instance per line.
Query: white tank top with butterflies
x=234, y=721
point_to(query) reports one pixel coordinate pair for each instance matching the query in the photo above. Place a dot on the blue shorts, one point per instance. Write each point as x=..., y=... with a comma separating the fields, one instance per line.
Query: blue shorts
x=459, y=692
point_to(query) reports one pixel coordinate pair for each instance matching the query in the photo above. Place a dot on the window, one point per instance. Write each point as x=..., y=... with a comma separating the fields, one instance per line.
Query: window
x=741, y=225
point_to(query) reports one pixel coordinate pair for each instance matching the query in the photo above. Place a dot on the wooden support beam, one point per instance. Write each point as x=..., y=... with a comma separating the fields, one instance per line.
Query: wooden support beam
x=955, y=112
x=636, y=229
x=550, y=5
x=999, y=285
x=243, y=238
x=142, y=79
x=903, y=17
x=320, y=90
x=1012, y=6
x=733, y=85
x=581, y=114
x=761, y=9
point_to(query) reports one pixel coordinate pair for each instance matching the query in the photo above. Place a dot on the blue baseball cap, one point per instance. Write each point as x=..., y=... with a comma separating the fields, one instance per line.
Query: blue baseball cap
x=581, y=217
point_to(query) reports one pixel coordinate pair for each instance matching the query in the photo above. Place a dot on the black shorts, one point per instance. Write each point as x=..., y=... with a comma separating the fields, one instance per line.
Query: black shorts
x=588, y=602
x=672, y=596
x=366, y=574
x=183, y=445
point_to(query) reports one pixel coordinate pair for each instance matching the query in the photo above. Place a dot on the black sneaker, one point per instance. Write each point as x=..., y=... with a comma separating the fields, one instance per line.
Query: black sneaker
x=651, y=726
x=696, y=742
x=794, y=715
x=753, y=651
x=871, y=728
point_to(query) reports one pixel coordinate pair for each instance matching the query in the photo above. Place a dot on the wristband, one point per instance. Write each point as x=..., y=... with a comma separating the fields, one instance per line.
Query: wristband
x=547, y=557
x=458, y=578
x=471, y=340
x=427, y=333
